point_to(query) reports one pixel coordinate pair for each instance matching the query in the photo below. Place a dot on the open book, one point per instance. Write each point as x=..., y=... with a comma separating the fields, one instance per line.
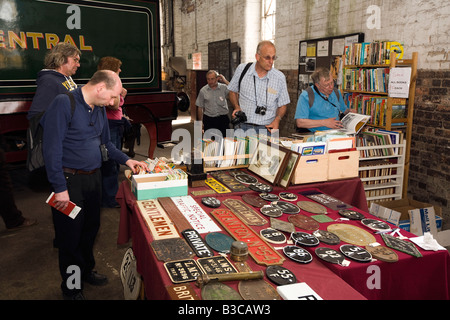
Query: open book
x=353, y=122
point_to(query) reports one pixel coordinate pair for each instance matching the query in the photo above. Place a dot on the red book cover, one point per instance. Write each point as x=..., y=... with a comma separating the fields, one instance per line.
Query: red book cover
x=72, y=209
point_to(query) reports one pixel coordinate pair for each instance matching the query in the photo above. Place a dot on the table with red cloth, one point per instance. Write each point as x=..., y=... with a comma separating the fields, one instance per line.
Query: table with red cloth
x=427, y=277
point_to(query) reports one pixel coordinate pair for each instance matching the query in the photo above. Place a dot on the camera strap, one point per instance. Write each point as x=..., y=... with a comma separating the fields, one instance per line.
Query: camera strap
x=326, y=99
x=256, y=96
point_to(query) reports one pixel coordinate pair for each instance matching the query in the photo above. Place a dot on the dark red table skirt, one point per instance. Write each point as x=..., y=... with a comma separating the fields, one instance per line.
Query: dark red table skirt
x=409, y=278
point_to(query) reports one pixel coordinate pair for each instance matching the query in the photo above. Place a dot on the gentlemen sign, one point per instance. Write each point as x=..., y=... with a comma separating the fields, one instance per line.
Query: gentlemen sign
x=156, y=219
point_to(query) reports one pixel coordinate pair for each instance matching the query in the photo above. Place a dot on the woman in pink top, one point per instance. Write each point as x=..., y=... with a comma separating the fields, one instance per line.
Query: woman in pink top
x=117, y=124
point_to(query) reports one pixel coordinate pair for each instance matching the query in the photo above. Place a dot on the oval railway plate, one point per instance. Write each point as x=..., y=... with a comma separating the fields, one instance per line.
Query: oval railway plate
x=351, y=214
x=288, y=196
x=376, y=225
x=273, y=236
x=329, y=255
x=327, y=237
x=286, y=207
x=261, y=187
x=297, y=254
x=257, y=290
x=219, y=241
x=280, y=275
x=254, y=200
x=356, y=253
x=269, y=196
x=211, y=202
x=352, y=234
x=304, y=239
x=271, y=211
x=245, y=178
x=312, y=207
x=219, y=291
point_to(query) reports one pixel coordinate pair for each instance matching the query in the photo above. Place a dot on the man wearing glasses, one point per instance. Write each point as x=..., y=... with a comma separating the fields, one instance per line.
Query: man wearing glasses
x=261, y=93
x=327, y=108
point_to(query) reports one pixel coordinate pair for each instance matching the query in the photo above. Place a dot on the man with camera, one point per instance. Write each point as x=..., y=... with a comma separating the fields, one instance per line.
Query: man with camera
x=259, y=93
x=321, y=106
x=212, y=103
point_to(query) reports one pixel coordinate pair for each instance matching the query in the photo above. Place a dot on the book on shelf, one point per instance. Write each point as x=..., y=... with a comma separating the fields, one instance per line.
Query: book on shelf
x=372, y=53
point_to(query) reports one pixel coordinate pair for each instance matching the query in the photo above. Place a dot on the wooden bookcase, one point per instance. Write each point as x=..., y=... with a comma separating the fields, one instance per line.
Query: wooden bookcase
x=390, y=123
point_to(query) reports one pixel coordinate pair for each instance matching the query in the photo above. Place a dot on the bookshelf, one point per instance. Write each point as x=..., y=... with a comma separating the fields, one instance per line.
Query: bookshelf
x=382, y=175
x=365, y=89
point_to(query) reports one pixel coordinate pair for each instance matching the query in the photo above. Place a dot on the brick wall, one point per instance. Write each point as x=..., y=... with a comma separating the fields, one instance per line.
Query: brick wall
x=429, y=178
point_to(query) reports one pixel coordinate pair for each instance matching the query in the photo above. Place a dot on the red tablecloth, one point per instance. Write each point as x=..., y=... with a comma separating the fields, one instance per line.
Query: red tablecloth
x=409, y=278
x=326, y=284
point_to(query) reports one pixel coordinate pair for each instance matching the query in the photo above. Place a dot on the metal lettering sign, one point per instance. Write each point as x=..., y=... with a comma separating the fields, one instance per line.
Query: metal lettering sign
x=326, y=200
x=171, y=249
x=182, y=270
x=197, y=244
x=206, y=192
x=259, y=249
x=157, y=220
x=216, y=265
x=297, y=254
x=330, y=255
x=217, y=186
x=401, y=245
x=247, y=214
x=182, y=292
x=195, y=215
x=229, y=181
x=280, y=275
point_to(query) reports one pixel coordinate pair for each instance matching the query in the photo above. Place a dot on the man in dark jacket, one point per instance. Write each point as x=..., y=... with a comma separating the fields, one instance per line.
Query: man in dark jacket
x=73, y=156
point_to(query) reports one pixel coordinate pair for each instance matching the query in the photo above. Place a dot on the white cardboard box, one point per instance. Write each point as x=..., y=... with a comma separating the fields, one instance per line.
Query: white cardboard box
x=152, y=186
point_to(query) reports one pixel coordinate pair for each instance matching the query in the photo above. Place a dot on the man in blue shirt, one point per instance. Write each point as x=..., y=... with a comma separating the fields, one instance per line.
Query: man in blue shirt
x=262, y=94
x=73, y=157
x=324, y=114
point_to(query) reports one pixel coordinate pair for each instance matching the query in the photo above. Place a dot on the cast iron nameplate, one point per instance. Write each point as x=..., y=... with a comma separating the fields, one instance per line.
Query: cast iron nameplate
x=269, y=196
x=271, y=211
x=211, y=202
x=217, y=186
x=401, y=245
x=286, y=207
x=273, y=236
x=206, y=192
x=330, y=255
x=351, y=214
x=261, y=187
x=219, y=291
x=229, y=181
x=326, y=200
x=376, y=225
x=312, y=207
x=382, y=253
x=356, y=253
x=254, y=200
x=157, y=220
x=216, y=265
x=197, y=244
x=245, y=178
x=219, y=241
x=257, y=290
x=297, y=254
x=182, y=270
x=282, y=225
x=304, y=239
x=247, y=214
x=304, y=222
x=327, y=237
x=280, y=275
x=259, y=249
x=172, y=249
x=288, y=196
x=182, y=292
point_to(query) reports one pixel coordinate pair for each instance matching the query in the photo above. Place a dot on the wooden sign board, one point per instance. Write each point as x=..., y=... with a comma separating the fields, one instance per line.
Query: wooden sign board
x=157, y=220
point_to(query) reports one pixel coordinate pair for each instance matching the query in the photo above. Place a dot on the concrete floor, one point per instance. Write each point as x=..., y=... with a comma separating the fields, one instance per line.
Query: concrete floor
x=28, y=261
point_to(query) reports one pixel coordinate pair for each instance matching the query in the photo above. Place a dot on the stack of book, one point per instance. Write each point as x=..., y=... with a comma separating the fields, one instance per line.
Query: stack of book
x=378, y=137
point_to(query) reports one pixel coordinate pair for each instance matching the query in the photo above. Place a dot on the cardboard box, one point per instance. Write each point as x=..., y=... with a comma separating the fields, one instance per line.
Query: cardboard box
x=152, y=186
x=397, y=211
x=311, y=169
x=343, y=165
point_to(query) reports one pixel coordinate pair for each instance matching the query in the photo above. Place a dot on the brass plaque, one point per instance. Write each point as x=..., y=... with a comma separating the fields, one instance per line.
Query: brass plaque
x=207, y=192
x=257, y=290
x=352, y=234
x=172, y=249
x=219, y=291
x=244, y=212
x=382, y=253
x=312, y=207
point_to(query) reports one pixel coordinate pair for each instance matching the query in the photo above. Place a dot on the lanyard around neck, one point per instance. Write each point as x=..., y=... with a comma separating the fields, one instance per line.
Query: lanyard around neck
x=267, y=88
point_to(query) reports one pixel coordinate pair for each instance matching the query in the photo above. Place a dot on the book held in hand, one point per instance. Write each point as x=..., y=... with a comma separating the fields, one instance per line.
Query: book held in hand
x=71, y=210
x=354, y=122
